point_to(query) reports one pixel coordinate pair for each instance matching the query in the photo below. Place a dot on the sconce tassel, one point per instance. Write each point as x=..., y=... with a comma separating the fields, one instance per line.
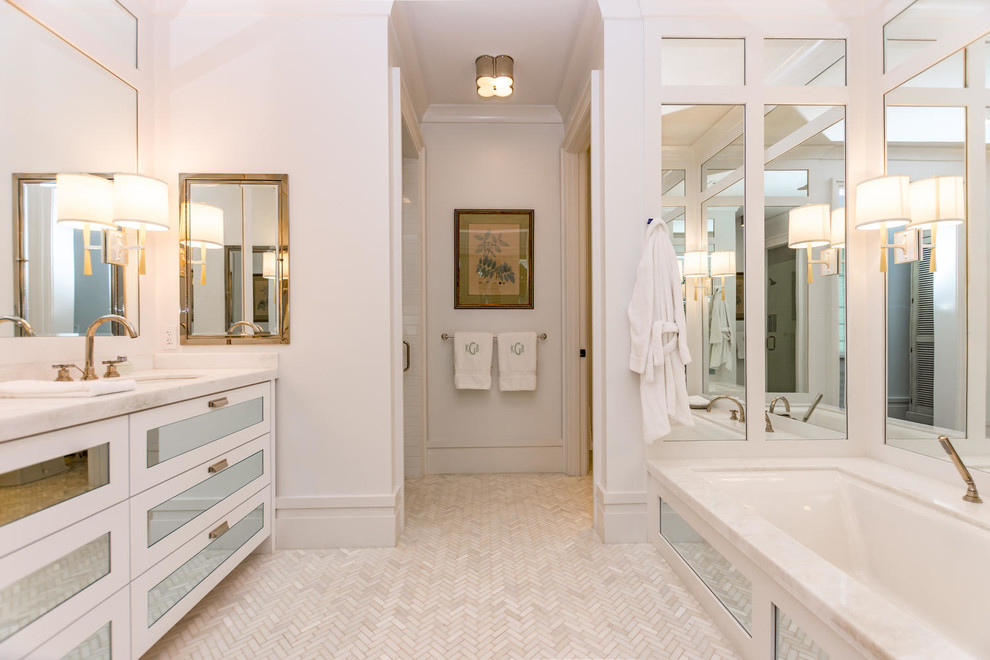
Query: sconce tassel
x=202, y=272
x=87, y=260
x=883, y=258
x=723, y=288
x=931, y=252
x=141, y=252
x=810, y=276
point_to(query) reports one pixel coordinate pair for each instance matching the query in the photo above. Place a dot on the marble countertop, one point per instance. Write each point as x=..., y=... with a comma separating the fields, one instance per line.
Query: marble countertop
x=877, y=625
x=30, y=416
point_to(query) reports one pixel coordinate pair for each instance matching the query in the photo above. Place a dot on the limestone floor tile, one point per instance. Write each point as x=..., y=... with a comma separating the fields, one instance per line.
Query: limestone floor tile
x=490, y=566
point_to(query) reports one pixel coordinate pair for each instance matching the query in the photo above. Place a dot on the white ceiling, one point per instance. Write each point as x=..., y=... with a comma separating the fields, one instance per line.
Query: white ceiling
x=448, y=35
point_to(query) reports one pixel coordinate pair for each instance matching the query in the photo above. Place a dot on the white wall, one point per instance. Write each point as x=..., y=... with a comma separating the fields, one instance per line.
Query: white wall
x=307, y=95
x=491, y=166
x=412, y=320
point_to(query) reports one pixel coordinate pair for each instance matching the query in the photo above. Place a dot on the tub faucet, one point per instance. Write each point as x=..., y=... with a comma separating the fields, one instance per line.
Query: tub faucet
x=89, y=373
x=787, y=405
x=971, y=493
x=28, y=330
x=811, y=408
x=766, y=416
x=742, y=411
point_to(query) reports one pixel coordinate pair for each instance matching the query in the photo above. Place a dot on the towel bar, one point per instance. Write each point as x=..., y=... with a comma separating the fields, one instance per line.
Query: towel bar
x=542, y=336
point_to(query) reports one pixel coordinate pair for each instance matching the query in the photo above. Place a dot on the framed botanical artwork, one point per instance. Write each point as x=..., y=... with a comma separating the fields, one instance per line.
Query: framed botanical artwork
x=261, y=298
x=493, y=258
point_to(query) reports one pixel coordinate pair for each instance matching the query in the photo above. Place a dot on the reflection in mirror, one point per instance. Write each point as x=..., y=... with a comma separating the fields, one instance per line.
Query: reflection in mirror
x=702, y=62
x=926, y=286
x=703, y=145
x=804, y=190
x=923, y=23
x=63, y=282
x=108, y=20
x=69, y=115
x=801, y=62
x=225, y=297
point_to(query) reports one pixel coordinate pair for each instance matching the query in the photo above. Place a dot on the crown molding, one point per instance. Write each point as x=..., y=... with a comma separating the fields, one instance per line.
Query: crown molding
x=491, y=114
x=276, y=7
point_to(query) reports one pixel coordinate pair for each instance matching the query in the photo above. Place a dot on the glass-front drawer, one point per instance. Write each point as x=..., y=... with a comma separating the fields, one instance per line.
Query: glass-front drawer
x=167, y=591
x=168, y=515
x=169, y=440
x=64, y=475
x=46, y=585
x=103, y=633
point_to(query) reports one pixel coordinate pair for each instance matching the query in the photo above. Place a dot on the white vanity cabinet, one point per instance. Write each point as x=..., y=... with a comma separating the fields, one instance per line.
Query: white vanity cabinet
x=112, y=530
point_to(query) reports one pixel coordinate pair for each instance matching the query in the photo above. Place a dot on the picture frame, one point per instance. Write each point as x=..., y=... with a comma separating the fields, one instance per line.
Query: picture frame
x=493, y=259
x=260, y=299
x=115, y=248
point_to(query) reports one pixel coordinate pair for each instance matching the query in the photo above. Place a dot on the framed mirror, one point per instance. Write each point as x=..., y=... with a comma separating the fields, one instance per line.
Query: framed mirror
x=70, y=114
x=224, y=297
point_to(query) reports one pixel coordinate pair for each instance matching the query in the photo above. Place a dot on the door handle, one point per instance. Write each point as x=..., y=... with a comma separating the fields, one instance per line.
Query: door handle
x=771, y=343
x=405, y=350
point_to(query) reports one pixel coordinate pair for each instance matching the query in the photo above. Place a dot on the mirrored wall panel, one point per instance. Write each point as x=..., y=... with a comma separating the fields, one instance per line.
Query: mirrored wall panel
x=927, y=331
x=804, y=62
x=228, y=297
x=921, y=24
x=704, y=148
x=703, y=62
x=107, y=20
x=69, y=115
x=804, y=191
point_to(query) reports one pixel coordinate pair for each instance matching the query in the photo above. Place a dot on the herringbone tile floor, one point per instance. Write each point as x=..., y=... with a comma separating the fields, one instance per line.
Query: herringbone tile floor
x=490, y=566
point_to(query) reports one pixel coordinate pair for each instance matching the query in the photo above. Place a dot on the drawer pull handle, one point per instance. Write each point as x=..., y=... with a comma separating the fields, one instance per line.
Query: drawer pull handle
x=220, y=530
x=219, y=403
x=219, y=466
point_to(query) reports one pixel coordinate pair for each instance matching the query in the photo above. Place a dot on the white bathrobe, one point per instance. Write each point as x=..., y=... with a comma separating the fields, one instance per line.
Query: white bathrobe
x=721, y=332
x=658, y=332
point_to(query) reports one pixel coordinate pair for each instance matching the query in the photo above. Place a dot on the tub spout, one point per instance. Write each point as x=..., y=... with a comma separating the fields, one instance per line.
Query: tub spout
x=971, y=493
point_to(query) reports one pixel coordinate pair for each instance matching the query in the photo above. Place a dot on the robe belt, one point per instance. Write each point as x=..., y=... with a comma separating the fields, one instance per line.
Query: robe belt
x=660, y=349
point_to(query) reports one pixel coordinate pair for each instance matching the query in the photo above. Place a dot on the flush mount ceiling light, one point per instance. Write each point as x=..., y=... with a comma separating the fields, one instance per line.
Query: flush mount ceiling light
x=493, y=75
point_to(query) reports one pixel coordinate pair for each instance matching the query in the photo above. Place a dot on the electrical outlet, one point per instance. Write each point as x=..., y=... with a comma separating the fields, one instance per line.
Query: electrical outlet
x=170, y=337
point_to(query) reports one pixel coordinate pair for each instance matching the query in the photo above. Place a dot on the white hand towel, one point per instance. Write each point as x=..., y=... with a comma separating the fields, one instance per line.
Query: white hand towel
x=473, y=360
x=516, y=361
x=47, y=389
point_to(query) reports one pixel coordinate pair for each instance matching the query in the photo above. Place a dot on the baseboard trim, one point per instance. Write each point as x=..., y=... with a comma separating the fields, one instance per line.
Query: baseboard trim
x=622, y=516
x=492, y=460
x=359, y=521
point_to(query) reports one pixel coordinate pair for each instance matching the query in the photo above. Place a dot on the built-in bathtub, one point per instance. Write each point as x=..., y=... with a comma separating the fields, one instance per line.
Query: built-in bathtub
x=855, y=557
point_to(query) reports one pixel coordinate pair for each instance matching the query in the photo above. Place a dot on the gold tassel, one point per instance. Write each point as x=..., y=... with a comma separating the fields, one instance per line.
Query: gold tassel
x=87, y=260
x=883, y=259
x=202, y=272
x=931, y=253
x=142, y=267
x=810, y=276
x=723, y=288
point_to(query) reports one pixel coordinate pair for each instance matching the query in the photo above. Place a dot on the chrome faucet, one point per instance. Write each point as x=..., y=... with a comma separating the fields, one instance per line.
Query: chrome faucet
x=255, y=328
x=787, y=404
x=89, y=373
x=971, y=493
x=811, y=408
x=21, y=322
x=742, y=411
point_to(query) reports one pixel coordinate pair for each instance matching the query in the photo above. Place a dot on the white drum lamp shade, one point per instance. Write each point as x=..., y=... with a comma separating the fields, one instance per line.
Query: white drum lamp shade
x=883, y=202
x=837, y=230
x=140, y=202
x=84, y=199
x=937, y=200
x=205, y=226
x=724, y=264
x=268, y=262
x=809, y=226
x=696, y=264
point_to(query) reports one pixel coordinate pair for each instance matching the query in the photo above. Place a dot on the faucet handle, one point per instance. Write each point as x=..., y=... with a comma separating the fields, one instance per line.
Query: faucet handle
x=120, y=358
x=64, y=375
x=734, y=414
x=111, y=371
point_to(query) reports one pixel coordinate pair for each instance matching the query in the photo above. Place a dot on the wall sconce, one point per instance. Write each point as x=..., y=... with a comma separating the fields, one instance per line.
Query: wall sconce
x=937, y=200
x=205, y=226
x=84, y=201
x=268, y=261
x=884, y=203
x=494, y=75
x=141, y=203
x=816, y=225
x=696, y=266
x=723, y=265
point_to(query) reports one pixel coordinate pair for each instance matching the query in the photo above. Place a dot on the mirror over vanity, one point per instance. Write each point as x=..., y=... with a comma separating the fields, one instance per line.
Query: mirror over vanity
x=71, y=115
x=225, y=297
